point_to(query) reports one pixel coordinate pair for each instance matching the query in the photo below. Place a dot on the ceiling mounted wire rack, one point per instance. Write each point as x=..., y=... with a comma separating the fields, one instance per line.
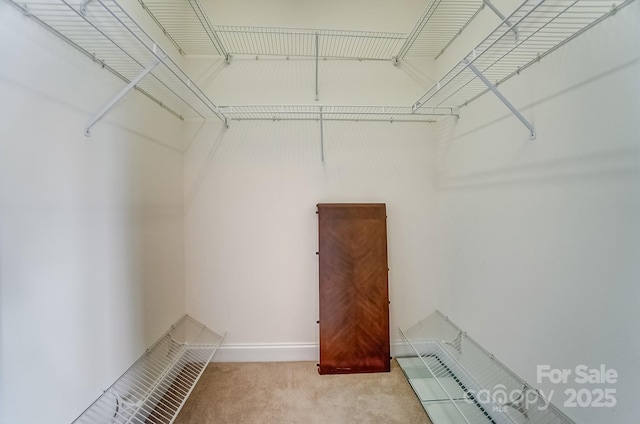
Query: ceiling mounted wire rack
x=533, y=30
x=156, y=387
x=186, y=24
x=333, y=113
x=105, y=32
x=362, y=45
x=440, y=23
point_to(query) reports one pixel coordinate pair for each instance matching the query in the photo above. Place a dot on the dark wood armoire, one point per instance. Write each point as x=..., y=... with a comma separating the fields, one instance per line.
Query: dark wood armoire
x=354, y=295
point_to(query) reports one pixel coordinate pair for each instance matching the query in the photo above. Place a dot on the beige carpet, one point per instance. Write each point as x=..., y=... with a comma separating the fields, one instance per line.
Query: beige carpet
x=294, y=392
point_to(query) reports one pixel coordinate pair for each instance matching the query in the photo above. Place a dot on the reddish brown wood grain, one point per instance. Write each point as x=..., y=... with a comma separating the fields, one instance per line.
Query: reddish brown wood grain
x=354, y=299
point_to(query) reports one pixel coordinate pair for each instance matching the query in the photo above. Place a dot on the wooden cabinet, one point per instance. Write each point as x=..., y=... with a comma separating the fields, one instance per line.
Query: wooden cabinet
x=354, y=296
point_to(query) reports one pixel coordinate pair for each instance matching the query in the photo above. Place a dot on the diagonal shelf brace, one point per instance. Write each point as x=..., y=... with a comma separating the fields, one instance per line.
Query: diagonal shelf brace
x=501, y=16
x=503, y=99
x=111, y=103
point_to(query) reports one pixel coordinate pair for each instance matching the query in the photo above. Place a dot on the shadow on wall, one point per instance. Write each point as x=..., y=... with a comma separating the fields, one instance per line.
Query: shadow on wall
x=610, y=163
x=217, y=138
x=576, y=141
x=448, y=126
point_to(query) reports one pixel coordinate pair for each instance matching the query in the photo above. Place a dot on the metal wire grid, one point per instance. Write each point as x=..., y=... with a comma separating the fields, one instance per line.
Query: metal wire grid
x=540, y=28
x=107, y=34
x=333, y=113
x=440, y=23
x=186, y=24
x=156, y=387
x=447, y=352
x=270, y=41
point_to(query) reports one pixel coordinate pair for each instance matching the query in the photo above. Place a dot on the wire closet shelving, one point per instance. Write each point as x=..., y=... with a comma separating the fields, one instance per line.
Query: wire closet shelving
x=185, y=21
x=459, y=382
x=106, y=33
x=332, y=113
x=535, y=29
x=156, y=387
x=441, y=22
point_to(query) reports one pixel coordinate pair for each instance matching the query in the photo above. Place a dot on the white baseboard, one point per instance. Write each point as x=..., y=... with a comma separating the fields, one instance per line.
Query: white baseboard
x=267, y=352
x=285, y=352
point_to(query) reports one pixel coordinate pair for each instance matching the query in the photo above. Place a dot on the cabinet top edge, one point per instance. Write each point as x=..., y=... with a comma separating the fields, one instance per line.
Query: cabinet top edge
x=350, y=205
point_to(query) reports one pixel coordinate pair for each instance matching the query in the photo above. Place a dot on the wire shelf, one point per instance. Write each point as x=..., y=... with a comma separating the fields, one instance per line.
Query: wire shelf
x=451, y=370
x=186, y=24
x=107, y=34
x=156, y=387
x=534, y=29
x=269, y=41
x=440, y=23
x=103, y=31
x=333, y=113
x=188, y=27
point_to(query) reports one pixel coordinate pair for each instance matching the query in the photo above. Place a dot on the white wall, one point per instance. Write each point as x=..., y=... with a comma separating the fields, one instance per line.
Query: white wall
x=275, y=81
x=538, y=241
x=251, y=227
x=532, y=246
x=91, y=229
x=251, y=191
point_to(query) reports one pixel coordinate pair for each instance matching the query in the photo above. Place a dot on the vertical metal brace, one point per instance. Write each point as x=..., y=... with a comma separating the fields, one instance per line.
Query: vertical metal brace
x=111, y=103
x=317, y=53
x=502, y=17
x=506, y=102
x=321, y=137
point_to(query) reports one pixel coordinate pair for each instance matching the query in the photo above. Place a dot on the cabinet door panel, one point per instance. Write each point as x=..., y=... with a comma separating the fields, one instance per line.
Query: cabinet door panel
x=354, y=301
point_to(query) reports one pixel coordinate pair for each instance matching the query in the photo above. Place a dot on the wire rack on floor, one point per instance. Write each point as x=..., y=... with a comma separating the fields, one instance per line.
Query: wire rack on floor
x=458, y=381
x=156, y=387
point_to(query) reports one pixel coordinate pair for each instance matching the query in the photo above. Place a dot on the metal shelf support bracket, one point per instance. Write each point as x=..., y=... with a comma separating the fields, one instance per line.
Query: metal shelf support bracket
x=317, y=53
x=321, y=137
x=494, y=89
x=111, y=103
x=504, y=19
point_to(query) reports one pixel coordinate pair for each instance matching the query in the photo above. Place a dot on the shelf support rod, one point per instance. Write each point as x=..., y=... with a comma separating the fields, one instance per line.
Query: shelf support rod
x=503, y=99
x=317, y=54
x=111, y=103
x=502, y=17
x=321, y=137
